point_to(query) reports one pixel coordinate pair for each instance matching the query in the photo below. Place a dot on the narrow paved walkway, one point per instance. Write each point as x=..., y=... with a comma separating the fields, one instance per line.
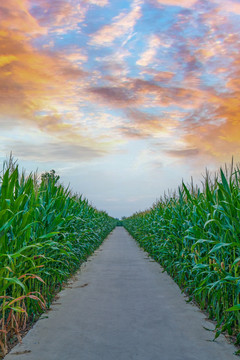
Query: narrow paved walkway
x=122, y=307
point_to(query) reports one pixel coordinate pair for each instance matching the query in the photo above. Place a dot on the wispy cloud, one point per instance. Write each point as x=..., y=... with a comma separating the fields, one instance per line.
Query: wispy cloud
x=121, y=25
x=98, y=2
x=54, y=151
x=182, y=152
x=147, y=57
x=181, y=3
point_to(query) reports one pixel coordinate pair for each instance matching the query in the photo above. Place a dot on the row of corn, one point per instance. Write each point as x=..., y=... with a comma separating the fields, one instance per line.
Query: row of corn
x=195, y=235
x=45, y=233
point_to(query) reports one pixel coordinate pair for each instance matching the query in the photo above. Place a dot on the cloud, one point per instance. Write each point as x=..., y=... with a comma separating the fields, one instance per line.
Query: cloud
x=41, y=88
x=148, y=56
x=141, y=124
x=204, y=84
x=98, y=2
x=183, y=152
x=141, y=117
x=76, y=56
x=121, y=25
x=33, y=81
x=181, y=3
x=216, y=135
x=53, y=151
x=116, y=96
x=161, y=95
x=59, y=16
x=114, y=69
x=212, y=126
x=230, y=6
x=186, y=84
x=132, y=133
x=163, y=76
x=15, y=17
x=127, y=92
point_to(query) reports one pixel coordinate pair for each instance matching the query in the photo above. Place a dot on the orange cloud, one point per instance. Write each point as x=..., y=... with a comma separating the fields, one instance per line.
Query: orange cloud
x=145, y=125
x=217, y=134
x=15, y=17
x=39, y=88
x=27, y=75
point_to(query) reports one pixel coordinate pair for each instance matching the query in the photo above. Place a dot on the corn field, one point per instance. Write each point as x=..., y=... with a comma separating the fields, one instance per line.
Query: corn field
x=45, y=234
x=195, y=235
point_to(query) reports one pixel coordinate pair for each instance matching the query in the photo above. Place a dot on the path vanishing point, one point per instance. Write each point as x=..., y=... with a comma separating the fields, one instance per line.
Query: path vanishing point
x=121, y=306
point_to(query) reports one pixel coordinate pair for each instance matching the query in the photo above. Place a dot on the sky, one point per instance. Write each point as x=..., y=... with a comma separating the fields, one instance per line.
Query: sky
x=123, y=99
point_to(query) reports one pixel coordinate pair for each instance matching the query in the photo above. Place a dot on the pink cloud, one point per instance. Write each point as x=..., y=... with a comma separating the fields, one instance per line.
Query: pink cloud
x=148, y=56
x=59, y=16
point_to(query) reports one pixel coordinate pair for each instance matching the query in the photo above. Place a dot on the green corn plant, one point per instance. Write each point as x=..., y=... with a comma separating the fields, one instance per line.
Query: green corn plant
x=46, y=232
x=195, y=235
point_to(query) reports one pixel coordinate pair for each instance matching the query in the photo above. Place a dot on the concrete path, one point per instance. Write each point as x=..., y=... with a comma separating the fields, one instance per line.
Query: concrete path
x=122, y=307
